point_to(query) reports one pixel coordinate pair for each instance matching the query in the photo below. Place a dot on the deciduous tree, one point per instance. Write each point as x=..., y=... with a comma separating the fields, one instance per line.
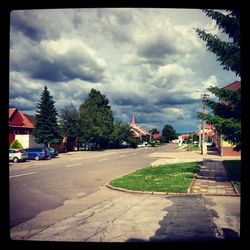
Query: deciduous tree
x=96, y=120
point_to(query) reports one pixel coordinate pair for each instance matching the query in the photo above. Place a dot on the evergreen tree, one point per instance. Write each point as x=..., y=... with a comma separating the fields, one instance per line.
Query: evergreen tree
x=96, y=120
x=168, y=133
x=47, y=130
x=226, y=114
x=227, y=52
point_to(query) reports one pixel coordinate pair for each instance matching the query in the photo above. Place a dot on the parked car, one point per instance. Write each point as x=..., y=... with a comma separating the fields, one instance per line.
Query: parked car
x=143, y=145
x=39, y=153
x=53, y=152
x=17, y=155
x=210, y=144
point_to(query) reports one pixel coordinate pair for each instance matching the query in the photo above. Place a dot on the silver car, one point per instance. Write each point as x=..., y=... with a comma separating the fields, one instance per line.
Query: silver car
x=17, y=155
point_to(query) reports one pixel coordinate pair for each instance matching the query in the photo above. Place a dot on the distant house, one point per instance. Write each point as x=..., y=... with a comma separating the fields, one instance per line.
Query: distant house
x=139, y=132
x=21, y=128
x=209, y=132
x=224, y=147
x=183, y=137
x=156, y=137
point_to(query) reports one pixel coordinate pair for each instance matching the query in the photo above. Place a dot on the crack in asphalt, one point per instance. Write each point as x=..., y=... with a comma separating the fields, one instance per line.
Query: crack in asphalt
x=102, y=230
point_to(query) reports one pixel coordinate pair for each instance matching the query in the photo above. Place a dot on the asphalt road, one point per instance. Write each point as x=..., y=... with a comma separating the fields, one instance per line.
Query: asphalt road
x=37, y=186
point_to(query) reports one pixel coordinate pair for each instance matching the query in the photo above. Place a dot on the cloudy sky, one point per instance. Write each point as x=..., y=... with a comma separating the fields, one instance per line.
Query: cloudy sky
x=148, y=62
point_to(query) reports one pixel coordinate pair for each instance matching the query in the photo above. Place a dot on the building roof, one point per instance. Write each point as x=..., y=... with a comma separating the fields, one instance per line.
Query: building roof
x=23, y=121
x=11, y=111
x=234, y=86
x=31, y=118
x=139, y=131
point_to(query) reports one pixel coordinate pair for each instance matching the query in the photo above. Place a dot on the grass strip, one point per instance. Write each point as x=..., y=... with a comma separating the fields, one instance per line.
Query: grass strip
x=164, y=178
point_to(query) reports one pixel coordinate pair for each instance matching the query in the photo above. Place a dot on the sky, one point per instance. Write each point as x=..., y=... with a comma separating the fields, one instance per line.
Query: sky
x=148, y=62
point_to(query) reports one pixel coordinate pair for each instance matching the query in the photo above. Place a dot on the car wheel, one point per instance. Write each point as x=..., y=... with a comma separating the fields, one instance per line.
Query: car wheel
x=37, y=158
x=15, y=159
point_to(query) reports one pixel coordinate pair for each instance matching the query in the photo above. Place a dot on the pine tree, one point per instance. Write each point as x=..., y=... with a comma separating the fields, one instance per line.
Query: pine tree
x=47, y=130
x=226, y=114
x=96, y=120
x=227, y=52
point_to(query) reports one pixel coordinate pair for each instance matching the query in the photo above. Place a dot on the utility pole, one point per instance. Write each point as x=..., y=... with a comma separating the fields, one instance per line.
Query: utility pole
x=200, y=126
x=204, y=146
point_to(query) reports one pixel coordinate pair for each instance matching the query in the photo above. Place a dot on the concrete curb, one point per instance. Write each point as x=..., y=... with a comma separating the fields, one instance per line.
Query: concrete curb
x=235, y=189
x=147, y=192
x=190, y=186
x=168, y=193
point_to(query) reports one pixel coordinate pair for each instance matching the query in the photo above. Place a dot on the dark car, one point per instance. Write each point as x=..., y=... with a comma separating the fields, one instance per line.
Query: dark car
x=53, y=152
x=39, y=153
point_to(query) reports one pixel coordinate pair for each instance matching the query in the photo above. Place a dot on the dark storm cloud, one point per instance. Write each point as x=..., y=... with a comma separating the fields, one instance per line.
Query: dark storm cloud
x=48, y=61
x=157, y=48
x=174, y=99
x=32, y=25
x=127, y=99
x=62, y=69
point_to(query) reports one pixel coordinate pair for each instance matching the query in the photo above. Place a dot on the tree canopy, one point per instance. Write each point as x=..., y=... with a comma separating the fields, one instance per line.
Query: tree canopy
x=225, y=114
x=120, y=134
x=227, y=51
x=96, y=120
x=168, y=133
x=47, y=130
x=69, y=120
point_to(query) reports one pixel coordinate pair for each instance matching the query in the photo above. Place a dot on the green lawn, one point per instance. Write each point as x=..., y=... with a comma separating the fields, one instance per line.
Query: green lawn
x=192, y=147
x=233, y=171
x=164, y=178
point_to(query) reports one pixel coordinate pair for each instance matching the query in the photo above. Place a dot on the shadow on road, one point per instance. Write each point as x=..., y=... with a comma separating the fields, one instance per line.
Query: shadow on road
x=188, y=220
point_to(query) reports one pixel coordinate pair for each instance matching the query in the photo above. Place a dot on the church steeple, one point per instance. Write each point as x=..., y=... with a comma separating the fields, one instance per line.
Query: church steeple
x=133, y=120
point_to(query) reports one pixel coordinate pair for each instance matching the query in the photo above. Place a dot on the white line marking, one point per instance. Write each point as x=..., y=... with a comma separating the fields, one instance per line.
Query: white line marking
x=17, y=175
x=104, y=159
x=73, y=165
x=123, y=155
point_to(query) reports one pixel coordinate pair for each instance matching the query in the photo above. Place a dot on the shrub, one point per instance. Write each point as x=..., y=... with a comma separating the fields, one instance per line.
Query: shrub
x=16, y=144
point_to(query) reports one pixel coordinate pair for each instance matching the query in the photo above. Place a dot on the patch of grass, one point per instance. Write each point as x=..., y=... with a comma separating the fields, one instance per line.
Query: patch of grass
x=233, y=171
x=164, y=178
x=192, y=147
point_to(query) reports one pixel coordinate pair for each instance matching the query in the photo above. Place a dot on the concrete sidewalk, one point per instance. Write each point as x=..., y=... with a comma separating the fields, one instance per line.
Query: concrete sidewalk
x=187, y=156
x=112, y=216
x=212, y=180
